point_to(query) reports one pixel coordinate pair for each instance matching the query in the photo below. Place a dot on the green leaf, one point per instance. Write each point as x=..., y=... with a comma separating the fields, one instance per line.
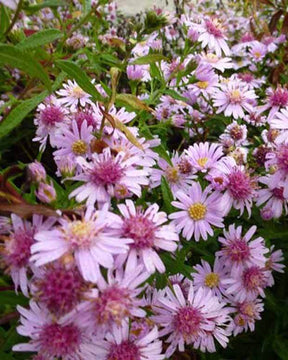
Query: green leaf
x=75, y=72
x=39, y=39
x=167, y=195
x=10, y=55
x=45, y=4
x=4, y=19
x=133, y=101
x=86, y=6
x=9, y=297
x=16, y=115
x=149, y=59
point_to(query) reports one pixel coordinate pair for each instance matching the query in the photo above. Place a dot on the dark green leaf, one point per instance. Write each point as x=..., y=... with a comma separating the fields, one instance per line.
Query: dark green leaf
x=45, y=4
x=9, y=297
x=10, y=55
x=40, y=38
x=167, y=195
x=4, y=19
x=150, y=59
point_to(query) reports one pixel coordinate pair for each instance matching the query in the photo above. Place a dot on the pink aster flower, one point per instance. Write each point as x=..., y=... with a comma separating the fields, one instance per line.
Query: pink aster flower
x=247, y=284
x=204, y=156
x=210, y=278
x=240, y=189
x=207, y=83
x=115, y=300
x=280, y=122
x=234, y=135
x=247, y=313
x=178, y=175
x=146, y=230
x=50, y=119
x=36, y=172
x=212, y=34
x=216, y=62
x=105, y=173
x=199, y=210
x=276, y=100
x=72, y=95
x=188, y=320
x=275, y=259
x=272, y=196
x=46, y=193
x=88, y=240
x=138, y=72
x=233, y=98
x=119, y=344
x=239, y=251
x=257, y=52
x=73, y=142
x=17, y=248
x=63, y=338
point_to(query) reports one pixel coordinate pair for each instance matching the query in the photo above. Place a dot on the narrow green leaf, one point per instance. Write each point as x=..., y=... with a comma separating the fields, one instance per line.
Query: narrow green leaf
x=149, y=59
x=40, y=38
x=86, y=6
x=16, y=115
x=167, y=195
x=44, y=4
x=133, y=101
x=4, y=19
x=75, y=72
x=10, y=55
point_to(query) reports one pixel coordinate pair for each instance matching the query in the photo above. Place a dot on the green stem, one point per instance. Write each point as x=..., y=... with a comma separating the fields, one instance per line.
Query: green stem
x=19, y=7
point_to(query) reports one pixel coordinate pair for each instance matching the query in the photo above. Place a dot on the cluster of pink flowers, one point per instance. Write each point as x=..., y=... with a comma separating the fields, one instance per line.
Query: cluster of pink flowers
x=91, y=272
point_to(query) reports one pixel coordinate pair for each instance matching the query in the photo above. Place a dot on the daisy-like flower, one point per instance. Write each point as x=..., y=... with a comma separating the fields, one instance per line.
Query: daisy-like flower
x=234, y=135
x=178, y=175
x=119, y=344
x=240, y=188
x=199, y=210
x=212, y=34
x=247, y=313
x=273, y=195
x=189, y=319
x=138, y=72
x=17, y=248
x=247, y=284
x=73, y=142
x=204, y=156
x=216, y=62
x=72, y=95
x=280, y=122
x=116, y=299
x=249, y=79
x=239, y=251
x=207, y=83
x=107, y=173
x=276, y=100
x=64, y=338
x=257, y=52
x=51, y=119
x=147, y=233
x=275, y=259
x=88, y=240
x=210, y=278
x=233, y=98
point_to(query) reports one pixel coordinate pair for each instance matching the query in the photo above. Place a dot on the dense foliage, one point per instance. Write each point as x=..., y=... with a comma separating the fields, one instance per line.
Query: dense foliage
x=143, y=181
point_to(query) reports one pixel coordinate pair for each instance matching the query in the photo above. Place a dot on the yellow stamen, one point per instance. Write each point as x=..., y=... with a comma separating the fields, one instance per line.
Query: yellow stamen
x=197, y=211
x=211, y=280
x=202, y=161
x=79, y=147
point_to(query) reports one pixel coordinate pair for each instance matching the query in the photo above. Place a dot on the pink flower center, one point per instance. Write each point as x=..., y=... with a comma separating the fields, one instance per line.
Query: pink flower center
x=238, y=250
x=246, y=77
x=282, y=158
x=278, y=193
x=60, y=289
x=113, y=305
x=239, y=185
x=59, y=341
x=236, y=132
x=214, y=28
x=51, y=115
x=18, y=248
x=107, y=172
x=141, y=230
x=187, y=321
x=184, y=166
x=127, y=350
x=279, y=98
x=253, y=278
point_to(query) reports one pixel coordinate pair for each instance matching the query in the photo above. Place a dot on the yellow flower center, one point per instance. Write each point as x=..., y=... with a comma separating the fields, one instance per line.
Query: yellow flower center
x=77, y=92
x=248, y=309
x=257, y=54
x=202, y=84
x=79, y=147
x=235, y=96
x=80, y=228
x=80, y=233
x=172, y=174
x=212, y=58
x=202, y=161
x=211, y=280
x=197, y=211
x=240, y=321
